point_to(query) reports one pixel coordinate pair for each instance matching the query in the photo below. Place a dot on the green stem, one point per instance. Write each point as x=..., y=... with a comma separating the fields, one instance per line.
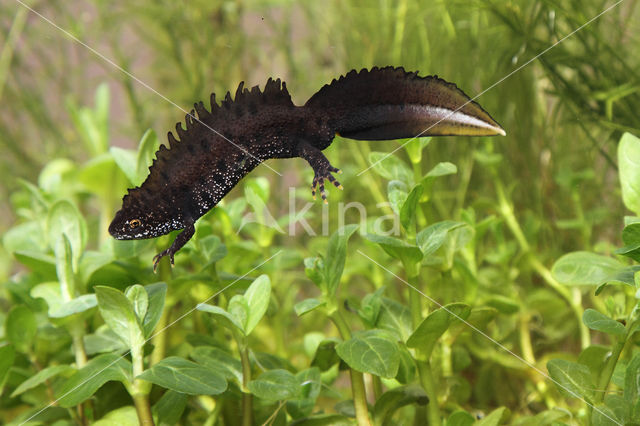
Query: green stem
x=427, y=382
x=506, y=210
x=607, y=371
x=10, y=44
x=377, y=386
x=525, y=339
x=143, y=409
x=424, y=366
x=247, y=399
x=140, y=388
x=159, y=340
x=357, y=379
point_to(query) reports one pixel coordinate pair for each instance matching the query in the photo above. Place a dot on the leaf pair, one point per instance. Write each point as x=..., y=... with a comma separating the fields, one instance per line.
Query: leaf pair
x=244, y=311
x=134, y=314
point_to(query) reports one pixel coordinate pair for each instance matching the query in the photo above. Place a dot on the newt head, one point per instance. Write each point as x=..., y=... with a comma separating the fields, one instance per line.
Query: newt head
x=140, y=218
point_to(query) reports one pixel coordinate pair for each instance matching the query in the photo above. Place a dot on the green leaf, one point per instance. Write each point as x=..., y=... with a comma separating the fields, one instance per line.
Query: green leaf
x=604, y=416
x=212, y=249
x=631, y=240
x=219, y=361
x=371, y=351
x=64, y=268
x=257, y=295
x=550, y=417
x=43, y=263
x=433, y=326
x=25, y=238
x=573, y=379
x=7, y=356
x=307, y=305
x=621, y=409
x=170, y=407
x=103, y=340
x=396, y=398
x=228, y=320
x=441, y=169
x=434, y=236
x=123, y=416
x=74, y=306
x=408, y=210
x=395, y=318
x=41, y=377
x=370, y=307
x=324, y=420
x=310, y=385
x=156, y=294
x=623, y=276
x=86, y=381
x=139, y=298
x=313, y=269
x=326, y=356
x=96, y=172
x=408, y=254
x=91, y=262
x=594, y=357
x=65, y=219
x=414, y=147
x=239, y=308
x=21, y=328
x=275, y=385
x=460, y=418
x=494, y=418
x=390, y=167
x=118, y=312
x=600, y=322
x=148, y=146
x=126, y=159
x=182, y=375
x=503, y=304
x=584, y=268
x=397, y=194
x=629, y=170
x=632, y=380
x=407, y=367
x=336, y=257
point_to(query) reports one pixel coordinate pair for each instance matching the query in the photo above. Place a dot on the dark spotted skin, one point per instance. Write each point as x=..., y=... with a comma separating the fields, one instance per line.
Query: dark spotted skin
x=219, y=147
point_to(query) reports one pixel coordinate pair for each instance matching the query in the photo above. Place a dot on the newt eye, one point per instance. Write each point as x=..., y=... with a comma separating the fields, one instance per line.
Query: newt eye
x=134, y=223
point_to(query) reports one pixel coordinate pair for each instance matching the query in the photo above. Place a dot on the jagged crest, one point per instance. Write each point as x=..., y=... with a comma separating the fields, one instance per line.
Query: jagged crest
x=355, y=86
x=204, y=128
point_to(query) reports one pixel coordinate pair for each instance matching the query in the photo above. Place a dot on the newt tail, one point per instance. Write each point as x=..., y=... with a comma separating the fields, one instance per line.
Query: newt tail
x=221, y=146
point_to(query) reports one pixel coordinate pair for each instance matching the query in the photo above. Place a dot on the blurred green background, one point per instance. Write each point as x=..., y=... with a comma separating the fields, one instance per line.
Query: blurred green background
x=564, y=113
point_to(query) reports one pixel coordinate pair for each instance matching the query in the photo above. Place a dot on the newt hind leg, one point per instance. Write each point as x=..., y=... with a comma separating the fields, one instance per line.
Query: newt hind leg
x=321, y=167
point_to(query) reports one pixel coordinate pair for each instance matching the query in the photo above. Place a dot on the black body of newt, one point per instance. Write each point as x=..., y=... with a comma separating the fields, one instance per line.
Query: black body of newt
x=222, y=145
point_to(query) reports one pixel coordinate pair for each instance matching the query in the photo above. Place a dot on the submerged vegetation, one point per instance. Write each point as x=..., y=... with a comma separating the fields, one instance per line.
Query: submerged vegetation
x=479, y=280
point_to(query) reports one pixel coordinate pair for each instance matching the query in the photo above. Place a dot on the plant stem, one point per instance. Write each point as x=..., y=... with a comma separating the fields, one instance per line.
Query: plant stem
x=10, y=44
x=424, y=366
x=426, y=379
x=247, y=399
x=607, y=371
x=159, y=340
x=357, y=379
x=377, y=386
x=143, y=409
x=506, y=210
x=140, y=388
x=525, y=339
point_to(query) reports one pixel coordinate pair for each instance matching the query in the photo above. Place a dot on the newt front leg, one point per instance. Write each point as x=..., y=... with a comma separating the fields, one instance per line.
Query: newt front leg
x=321, y=167
x=180, y=241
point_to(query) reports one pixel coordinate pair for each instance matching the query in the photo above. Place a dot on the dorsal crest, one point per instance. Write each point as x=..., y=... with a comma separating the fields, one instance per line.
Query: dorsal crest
x=203, y=128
